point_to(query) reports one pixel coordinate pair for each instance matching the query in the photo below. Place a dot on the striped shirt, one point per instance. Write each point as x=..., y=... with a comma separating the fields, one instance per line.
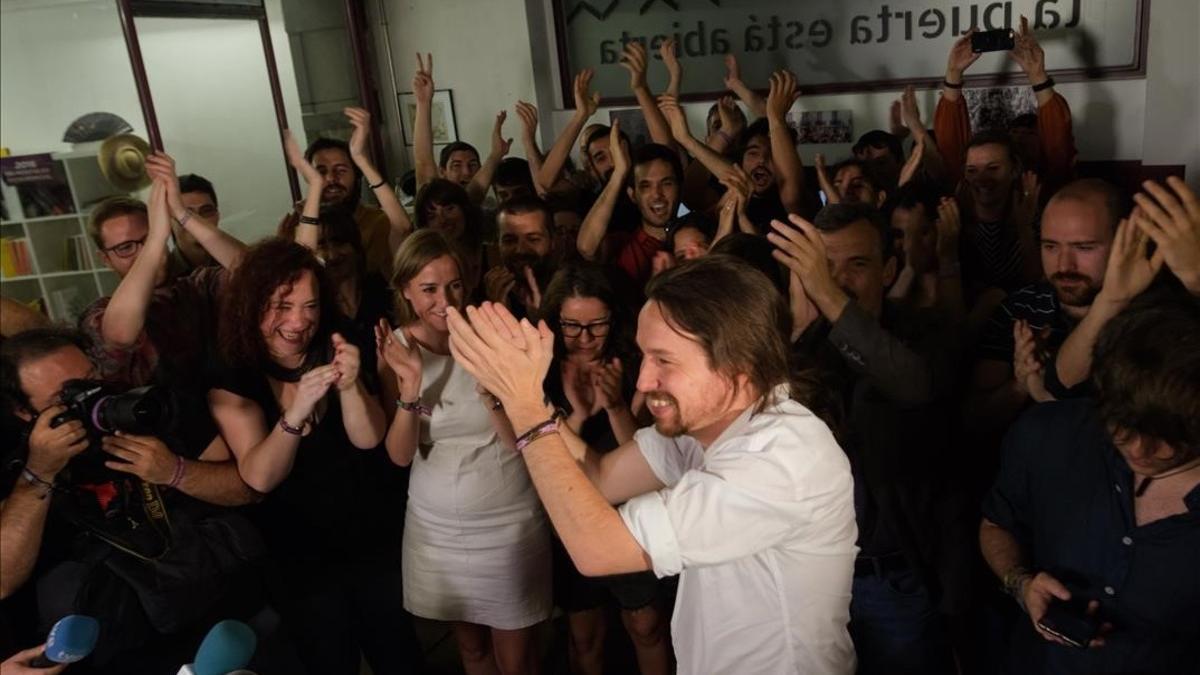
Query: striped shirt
x=1037, y=304
x=992, y=256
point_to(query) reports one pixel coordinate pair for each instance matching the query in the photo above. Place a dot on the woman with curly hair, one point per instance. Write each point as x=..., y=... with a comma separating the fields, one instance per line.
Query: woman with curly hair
x=302, y=423
x=476, y=541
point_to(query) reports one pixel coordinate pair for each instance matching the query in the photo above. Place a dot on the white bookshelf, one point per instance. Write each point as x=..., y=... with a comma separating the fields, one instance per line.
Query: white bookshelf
x=64, y=277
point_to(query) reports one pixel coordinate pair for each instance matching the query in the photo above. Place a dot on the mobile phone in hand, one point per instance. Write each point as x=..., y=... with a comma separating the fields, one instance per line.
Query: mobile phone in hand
x=999, y=40
x=1070, y=622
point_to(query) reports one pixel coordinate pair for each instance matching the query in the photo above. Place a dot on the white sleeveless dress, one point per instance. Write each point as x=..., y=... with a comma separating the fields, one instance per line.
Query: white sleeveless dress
x=476, y=540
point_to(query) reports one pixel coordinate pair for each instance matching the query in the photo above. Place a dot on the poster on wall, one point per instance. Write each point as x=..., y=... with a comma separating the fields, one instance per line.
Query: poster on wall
x=840, y=45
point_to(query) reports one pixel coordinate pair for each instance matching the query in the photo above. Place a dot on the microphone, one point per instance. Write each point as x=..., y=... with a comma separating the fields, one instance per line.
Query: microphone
x=71, y=639
x=227, y=647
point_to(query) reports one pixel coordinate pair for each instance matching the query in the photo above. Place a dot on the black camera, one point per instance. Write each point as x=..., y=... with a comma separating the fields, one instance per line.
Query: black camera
x=104, y=410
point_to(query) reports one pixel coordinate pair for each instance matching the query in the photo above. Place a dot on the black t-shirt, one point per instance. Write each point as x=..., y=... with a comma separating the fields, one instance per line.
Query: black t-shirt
x=762, y=209
x=338, y=503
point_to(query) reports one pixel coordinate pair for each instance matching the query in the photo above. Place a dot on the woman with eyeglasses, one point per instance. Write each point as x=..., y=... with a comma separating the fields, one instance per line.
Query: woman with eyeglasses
x=476, y=550
x=593, y=377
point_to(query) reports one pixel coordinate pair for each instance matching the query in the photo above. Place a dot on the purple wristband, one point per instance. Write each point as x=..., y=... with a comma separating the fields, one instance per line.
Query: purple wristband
x=178, y=477
x=539, y=430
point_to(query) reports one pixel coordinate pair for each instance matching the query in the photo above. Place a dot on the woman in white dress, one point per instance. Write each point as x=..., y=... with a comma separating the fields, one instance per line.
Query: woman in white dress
x=476, y=546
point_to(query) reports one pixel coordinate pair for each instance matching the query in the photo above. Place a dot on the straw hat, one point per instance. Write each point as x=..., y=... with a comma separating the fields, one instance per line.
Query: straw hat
x=123, y=162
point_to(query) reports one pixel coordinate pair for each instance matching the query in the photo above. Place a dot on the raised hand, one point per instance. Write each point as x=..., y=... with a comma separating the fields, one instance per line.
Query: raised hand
x=731, y=122
x=312, y=388
x=1028, y=53
x=146, y=457
x=733, y=73
x=586, y=100
x=346, y=360
x=403, y=360
x=161, y=165
x=1130, y=270
x=423, y=79
x=360, y=119
x=948, y=225
x=1172, y=219
x=500, y=145
x=801, y=249
x=912, y=165
x=782, y=94
x=619, y=151
x=832, y=194
x=671, y=60
x=676, y=119
x=577, y=386
x=606, y=384
x=531, y=295
x=898, y=129
x=1029, y=367
x=302, y=166
x=961, y=57
x=508, y=357
x=633, y=59
x=910, y=114
x=529, y=119
x=498, y=283
x=1025, y=201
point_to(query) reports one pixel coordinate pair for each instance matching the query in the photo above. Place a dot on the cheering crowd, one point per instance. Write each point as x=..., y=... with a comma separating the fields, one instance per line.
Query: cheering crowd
x=934, y=408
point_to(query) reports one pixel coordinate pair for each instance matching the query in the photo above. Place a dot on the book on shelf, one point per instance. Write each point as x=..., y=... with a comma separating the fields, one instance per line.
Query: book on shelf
x=14, y=257
x=77, y=253
x=65, y=303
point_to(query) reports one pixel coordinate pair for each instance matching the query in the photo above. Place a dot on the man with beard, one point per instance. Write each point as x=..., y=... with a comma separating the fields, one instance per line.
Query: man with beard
x=767, y=153
x=740, y=490
x=654, y=188
x=1077, y=234
x=526, y=247
x=342, y=165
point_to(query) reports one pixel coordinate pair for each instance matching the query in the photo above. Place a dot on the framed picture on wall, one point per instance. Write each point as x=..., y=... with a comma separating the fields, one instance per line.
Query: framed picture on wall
x=441, y=117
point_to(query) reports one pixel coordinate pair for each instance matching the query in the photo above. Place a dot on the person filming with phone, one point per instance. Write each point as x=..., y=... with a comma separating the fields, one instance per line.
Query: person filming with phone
x=1092, y=524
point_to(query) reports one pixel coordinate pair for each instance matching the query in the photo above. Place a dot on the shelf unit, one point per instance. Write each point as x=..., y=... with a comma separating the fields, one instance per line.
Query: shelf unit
x=63, y=277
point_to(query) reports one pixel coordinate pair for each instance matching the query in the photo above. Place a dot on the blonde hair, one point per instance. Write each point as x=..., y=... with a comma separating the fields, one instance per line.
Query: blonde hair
x=418, y=250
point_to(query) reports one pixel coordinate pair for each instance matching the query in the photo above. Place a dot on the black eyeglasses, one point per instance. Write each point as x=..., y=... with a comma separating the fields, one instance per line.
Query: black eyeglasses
x=207, y=211
x=125, y=249
x=596, y=329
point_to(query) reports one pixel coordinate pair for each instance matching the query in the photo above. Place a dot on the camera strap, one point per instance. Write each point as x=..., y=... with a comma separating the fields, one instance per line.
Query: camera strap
x=156, y=519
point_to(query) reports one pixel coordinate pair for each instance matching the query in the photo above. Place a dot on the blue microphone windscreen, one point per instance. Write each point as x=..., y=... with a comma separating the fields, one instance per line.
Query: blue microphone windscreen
x=228, y=646
x=72, y=638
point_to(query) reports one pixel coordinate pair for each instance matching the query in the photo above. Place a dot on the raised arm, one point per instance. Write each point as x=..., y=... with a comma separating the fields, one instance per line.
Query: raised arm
x=595, y=224
x=732, y=207
x=733, y=82
x=788, y=168
x=586, y=103
x=425, y=166
x=125, y=317
x=482, y=180
x=712, y=160
x=222, y=246
x=634, y=60
x=400, y=225
x=533, y=154
x=265, y=455
x=666, y=51
x=308, y=229
x=951, y=121
x=929, y=159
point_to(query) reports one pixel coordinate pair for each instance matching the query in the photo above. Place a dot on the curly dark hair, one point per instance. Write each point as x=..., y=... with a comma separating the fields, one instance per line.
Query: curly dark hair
x=589, y=280
x=266, y=266
x=28, y=346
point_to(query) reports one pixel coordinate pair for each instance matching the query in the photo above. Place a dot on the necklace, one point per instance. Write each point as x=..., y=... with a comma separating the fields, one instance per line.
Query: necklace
x=1142, y=486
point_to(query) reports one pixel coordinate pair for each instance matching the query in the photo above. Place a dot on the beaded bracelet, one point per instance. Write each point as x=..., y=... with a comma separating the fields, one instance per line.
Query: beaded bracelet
x=414, y=407
x=295, y=431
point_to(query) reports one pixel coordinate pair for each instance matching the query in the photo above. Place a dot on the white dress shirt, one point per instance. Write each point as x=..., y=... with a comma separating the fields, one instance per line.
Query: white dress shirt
x=760, y=528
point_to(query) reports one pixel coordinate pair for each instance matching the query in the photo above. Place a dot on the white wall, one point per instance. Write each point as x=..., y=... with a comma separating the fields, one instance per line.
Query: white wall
x=480, y=52
x=207, y=77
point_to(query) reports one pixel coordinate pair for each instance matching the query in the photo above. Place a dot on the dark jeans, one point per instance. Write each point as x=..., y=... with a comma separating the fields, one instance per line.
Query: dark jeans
x=334, y=611
x=896, y=627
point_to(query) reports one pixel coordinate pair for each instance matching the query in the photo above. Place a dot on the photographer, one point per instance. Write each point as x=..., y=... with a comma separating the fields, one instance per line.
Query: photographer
x=84, y=511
